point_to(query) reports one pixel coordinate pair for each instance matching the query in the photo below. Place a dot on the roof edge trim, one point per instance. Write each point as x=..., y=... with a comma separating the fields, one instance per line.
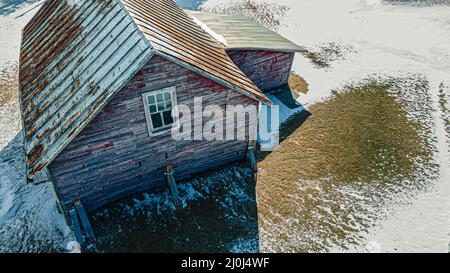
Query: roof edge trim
x=300, y=50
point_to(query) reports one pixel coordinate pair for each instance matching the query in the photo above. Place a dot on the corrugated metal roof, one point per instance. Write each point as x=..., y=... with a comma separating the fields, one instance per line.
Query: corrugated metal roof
x=242, y=33
x=174, y=35
x=76, y=54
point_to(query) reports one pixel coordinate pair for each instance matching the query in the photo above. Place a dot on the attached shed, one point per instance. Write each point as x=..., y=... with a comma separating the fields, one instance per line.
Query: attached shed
x=262, y=54
x=99, y=82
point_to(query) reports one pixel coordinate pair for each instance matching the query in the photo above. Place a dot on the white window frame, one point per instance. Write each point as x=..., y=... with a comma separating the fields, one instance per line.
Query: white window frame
x=148, y=118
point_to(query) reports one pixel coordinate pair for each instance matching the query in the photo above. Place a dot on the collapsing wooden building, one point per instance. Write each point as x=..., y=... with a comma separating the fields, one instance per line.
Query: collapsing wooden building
x=99, y=81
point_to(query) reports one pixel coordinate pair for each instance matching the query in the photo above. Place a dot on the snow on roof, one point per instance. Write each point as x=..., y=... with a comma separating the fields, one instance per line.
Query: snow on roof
x=211, y=32
x=241, y=33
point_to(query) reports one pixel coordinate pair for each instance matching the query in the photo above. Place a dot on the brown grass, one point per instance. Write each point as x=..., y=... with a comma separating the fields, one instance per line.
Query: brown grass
x=8, y=86
x=298, y=84
x=316, y=60
x=362, y=136
x=326, y=54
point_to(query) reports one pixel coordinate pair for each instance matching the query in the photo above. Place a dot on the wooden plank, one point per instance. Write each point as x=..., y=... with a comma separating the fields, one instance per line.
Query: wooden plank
x=173, y=186
x=252, y=158
x=76, y=227
x=85, y=221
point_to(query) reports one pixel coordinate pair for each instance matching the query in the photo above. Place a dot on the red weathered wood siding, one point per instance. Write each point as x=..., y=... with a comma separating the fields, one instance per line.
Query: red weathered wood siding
x=267, y=69
x=114, y=156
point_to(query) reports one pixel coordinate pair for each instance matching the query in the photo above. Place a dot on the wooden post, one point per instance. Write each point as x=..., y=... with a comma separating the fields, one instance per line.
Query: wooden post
x=251, y=153
x=76, y=226
x=252, y=158
x=85, y=221
x=173, y=185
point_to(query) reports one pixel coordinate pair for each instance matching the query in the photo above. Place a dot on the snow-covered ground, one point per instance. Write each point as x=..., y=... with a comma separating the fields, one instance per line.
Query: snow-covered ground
x=386, y=40
x=13, y=17
x=377, y=39
x=29, y=220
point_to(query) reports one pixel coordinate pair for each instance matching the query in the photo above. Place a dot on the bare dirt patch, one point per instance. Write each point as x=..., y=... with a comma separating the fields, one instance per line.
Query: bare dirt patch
x=298, y=84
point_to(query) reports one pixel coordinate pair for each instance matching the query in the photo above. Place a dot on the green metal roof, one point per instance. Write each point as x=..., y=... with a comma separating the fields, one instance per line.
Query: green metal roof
x=244, y=34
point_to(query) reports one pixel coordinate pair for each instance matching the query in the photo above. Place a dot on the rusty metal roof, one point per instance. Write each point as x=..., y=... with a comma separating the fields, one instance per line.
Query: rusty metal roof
x=76, y=54
x=241, y=33
x=174, y=35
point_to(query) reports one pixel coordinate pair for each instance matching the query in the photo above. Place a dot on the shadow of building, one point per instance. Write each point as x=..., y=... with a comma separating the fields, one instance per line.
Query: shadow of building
x=11, y=6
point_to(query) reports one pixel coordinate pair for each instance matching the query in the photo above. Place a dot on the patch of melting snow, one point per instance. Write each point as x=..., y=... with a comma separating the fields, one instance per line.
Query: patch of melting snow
x=219, y=38
x=373, y=247
x=244, y=245
x=6, y=197
x=219, y=194
x=29, y=220
x=194, y=190
x=73, y=247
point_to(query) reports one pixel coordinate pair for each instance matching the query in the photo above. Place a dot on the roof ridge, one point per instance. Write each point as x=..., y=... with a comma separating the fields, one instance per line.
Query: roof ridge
x=212, y=61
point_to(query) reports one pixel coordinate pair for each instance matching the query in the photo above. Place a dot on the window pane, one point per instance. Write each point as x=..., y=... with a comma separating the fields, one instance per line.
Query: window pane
x=168, y=119
x=159, y=97
x=161, y=107
x=151, y=99
x=153, y=109
x=156, y=121
x=169, y=105
x=167, y=96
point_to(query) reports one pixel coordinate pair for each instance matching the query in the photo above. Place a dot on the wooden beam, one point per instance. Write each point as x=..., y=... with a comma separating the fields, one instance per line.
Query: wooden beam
x=250, y=144
x=85, y=221
x=252, y=158
x=76, y=226
x=173, y=185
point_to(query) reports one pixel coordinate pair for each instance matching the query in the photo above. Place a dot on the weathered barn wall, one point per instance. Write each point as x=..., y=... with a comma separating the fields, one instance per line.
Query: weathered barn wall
x=114, y=155
x=267, y=69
